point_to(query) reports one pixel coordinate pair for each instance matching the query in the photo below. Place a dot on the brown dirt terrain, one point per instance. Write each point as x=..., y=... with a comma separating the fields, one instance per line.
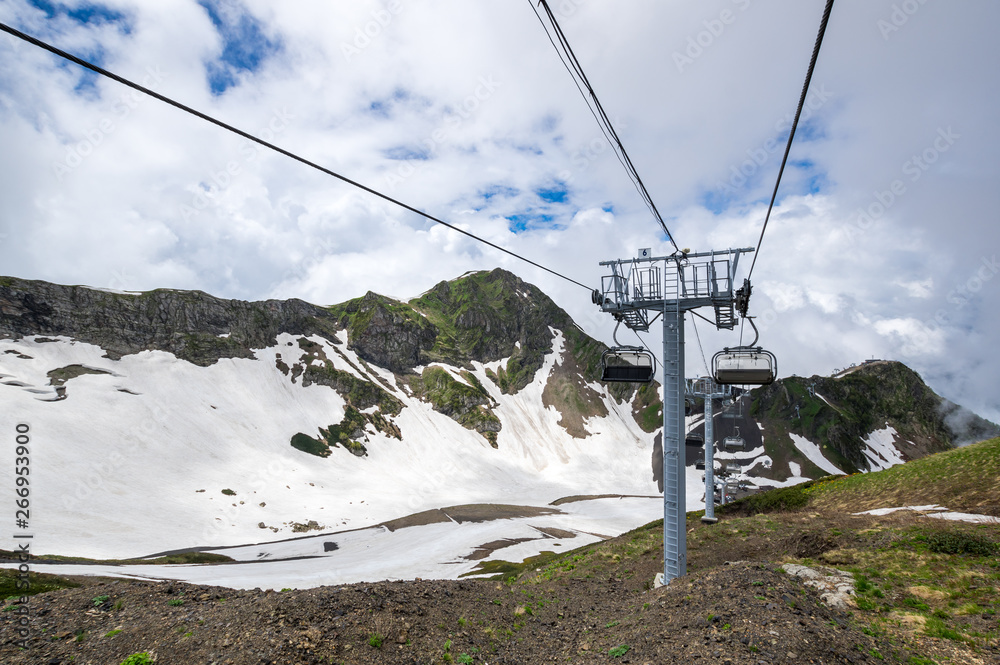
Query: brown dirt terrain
x=741, y=613
x=592, y=605
x=925, y=592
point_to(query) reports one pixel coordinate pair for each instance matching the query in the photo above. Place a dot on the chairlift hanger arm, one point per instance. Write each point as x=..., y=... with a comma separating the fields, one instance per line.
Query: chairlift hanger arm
x=695, y=313
x=756, y=333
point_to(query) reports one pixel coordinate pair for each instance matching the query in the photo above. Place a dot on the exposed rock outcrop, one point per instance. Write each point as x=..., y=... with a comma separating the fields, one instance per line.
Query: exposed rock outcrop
x=192, y=325
x=841, y=412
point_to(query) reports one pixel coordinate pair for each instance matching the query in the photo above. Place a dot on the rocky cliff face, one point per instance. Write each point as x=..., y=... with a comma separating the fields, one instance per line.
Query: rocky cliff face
x=483, y=316
x=387, y=333
x=192, y=325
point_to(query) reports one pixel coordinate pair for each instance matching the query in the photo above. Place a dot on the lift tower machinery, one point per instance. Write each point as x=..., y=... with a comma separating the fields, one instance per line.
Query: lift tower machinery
x=636, y=293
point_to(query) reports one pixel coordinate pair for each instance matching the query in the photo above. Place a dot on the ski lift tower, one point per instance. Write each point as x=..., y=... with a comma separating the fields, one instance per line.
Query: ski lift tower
x=709, y=390
x=636, y=293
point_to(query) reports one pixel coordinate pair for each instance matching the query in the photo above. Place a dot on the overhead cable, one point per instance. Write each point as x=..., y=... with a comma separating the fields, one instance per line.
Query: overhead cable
x=575, y=69
x=795, y=124
x=708, y=372
x=266, y=144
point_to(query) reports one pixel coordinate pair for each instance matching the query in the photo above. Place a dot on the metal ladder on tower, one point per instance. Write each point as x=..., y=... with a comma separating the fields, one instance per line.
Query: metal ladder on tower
x=725, y=315
x=675, y=523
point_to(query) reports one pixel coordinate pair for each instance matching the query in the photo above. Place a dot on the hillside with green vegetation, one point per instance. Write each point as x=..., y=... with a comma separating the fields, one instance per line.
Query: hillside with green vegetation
x=915, y=590
x=838, y=413
x=928, y=588
x=482, y=316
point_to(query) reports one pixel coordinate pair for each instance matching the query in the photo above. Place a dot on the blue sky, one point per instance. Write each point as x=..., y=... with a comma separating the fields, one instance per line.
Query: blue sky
x=245, y=44
x=60, y=16
x=85, y=13
x=882, y=243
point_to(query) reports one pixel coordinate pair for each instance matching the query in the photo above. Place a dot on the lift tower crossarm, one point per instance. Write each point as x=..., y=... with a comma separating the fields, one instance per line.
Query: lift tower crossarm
x=679, y=257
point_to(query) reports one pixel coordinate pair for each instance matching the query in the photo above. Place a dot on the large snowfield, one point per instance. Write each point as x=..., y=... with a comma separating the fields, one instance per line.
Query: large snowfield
x=134, y=460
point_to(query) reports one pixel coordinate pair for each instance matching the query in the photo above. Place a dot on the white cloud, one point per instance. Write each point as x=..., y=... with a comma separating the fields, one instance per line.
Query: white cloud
x=887, y=213
x=918, y=289
x=916, y=338
x=785, y=296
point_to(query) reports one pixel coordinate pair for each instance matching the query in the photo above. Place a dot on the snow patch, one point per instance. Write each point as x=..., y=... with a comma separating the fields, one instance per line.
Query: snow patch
x=886, y=511
x=936, y=511
x=229, y=426
x=434, y=551
x=880, y=449
x=764, y=460
x=725, y=454
x=813, y=453
x=966, y=517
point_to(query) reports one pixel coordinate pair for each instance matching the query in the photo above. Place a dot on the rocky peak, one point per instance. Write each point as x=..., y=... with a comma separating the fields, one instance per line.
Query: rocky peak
x=487, y=316
x=840, y=411
x=192, y=325
x=385, y=332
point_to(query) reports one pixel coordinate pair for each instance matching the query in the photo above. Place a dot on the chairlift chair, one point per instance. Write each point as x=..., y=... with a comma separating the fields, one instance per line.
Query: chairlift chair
x=734, y=442
x=745, y=365
x=694, y=440
x=734, y=411
x=627, y=364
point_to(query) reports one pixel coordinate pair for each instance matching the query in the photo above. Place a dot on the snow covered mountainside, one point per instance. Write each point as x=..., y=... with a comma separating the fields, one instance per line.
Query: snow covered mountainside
x=173, y=420
x=389, y=439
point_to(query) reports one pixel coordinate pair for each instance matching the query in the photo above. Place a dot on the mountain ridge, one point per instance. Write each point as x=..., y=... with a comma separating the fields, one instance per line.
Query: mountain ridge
x=261, y=415
x=838, y=413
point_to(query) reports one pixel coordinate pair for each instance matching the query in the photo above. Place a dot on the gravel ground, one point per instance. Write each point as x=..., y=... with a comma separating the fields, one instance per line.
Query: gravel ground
x=740, y=613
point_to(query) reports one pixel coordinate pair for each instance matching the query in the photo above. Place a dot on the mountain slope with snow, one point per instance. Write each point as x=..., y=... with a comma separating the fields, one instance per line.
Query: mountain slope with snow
x=879, y=414
x=136, y=455
x=173, y=420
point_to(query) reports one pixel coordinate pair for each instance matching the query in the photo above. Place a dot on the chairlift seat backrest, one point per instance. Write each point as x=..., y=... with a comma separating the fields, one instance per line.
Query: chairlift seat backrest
x=734, y=443
x=627, y=365
x=744, y=366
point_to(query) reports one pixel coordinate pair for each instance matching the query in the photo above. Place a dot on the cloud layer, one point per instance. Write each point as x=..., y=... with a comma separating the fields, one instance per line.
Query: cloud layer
x=883, y=244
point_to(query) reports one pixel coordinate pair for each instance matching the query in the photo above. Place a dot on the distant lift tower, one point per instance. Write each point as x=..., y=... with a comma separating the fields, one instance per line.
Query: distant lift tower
x=708, y=389
x=637, y=292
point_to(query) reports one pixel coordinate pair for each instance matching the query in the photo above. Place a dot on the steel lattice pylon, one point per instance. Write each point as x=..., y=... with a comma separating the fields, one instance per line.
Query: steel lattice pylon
x=709, y=390
x=667, y=287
